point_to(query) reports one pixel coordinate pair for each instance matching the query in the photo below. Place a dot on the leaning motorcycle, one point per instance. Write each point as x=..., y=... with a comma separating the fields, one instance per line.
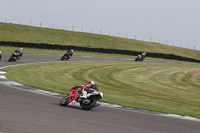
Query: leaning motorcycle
x=65, y=57
x=86, y=104
x=13, y=57
x=139, y=58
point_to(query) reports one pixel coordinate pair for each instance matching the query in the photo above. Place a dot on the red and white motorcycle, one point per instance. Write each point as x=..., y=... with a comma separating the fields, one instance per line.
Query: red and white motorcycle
x=86, y=104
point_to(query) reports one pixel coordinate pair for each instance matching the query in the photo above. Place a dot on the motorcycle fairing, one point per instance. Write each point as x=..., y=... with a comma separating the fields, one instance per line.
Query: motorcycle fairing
x=73, y=95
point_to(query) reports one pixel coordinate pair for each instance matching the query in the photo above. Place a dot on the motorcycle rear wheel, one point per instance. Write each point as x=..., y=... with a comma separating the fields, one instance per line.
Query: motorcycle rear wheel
x=64, y=101
x=67, y=58
x=89, y=105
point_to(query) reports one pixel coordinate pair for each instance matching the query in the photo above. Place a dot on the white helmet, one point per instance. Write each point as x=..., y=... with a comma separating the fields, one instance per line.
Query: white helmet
x=91, y=82
x=72, y=50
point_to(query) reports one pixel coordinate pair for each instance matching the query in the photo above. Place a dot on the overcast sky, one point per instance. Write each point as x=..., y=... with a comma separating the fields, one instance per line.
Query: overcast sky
x=171, y=22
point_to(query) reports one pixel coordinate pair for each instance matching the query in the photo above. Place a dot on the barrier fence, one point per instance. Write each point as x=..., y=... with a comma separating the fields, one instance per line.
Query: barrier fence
x=99, y=50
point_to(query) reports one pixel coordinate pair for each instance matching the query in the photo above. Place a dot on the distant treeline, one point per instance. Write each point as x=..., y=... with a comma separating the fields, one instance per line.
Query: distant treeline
x=99, y=50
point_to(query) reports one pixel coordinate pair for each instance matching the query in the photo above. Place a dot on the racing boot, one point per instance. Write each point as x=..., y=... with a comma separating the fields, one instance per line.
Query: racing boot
x=97, y=104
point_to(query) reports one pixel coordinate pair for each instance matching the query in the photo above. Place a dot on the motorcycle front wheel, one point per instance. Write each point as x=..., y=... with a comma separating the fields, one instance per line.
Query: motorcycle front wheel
x=62, y=58
x=64, y=101
x=11, y=59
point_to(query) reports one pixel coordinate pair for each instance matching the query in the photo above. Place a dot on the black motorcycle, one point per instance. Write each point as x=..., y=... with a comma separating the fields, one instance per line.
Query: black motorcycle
x=14, y=57
x=65, y=57
x=140, y=58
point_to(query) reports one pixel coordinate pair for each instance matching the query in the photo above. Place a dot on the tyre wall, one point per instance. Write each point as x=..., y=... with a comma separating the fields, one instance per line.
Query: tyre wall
x=99, y=50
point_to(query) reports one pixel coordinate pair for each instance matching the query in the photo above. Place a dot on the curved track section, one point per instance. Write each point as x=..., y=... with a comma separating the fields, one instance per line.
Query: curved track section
x=27, y=112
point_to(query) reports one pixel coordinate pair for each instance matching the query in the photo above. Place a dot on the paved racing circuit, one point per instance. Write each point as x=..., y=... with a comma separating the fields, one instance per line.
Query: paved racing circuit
x=26, y=112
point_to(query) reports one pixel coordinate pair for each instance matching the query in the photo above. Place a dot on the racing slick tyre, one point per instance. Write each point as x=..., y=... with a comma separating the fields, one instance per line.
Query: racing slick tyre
x=89, y=105
x=64, y=101
x=62, y=58
x=10, y=60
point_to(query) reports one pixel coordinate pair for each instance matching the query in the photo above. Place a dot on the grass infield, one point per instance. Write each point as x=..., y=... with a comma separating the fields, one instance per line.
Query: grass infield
x=169, y=88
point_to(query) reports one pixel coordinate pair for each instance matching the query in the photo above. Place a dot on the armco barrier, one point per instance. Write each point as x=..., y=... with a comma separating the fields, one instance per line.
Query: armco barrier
x=100, y=50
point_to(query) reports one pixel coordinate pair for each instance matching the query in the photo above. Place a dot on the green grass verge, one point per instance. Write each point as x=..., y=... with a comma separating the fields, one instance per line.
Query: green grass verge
x=23, y=33
x=169, y=88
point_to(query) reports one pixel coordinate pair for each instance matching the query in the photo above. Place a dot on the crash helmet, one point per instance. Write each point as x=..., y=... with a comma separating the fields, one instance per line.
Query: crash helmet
x=72, y=50
x=91, y=82
x=21, y=48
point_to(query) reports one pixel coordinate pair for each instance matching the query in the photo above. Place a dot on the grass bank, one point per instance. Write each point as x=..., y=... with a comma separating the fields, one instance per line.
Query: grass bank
x=23, y=33
x=169, y=88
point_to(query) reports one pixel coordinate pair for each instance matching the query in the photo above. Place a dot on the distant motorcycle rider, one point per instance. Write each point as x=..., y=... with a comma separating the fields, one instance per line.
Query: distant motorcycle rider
x=69, y=53
x=18, y=53
x=143, y=55
x=90, y=87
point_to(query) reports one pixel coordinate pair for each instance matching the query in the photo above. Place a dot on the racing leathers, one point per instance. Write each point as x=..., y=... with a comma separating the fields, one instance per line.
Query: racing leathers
x=69, y=53
x=86, y=89
x=18, y=53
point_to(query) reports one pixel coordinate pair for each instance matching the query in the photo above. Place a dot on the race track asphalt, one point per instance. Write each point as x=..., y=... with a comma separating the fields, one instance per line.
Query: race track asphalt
x=27, y=112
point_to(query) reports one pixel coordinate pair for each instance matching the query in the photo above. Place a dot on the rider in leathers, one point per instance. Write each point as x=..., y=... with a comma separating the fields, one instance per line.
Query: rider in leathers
x=90, y=87
x=143, y=55
x=69, y=53
x=19, y=53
